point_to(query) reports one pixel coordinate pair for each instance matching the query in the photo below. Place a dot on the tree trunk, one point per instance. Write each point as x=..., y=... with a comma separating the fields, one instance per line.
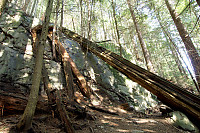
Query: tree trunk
x=2, y=5
x=63, y=113
x=135, y=49
x=69, y=78
x=180, y=66
x=167, y=92
x=52, y=98
x=62, y=13
x=112, y=26
x=173, y=49
x=11, y=102
x=116, y=27
x=90, y=8
x=85, y=90
x=54, y=30
x=25, y=122
x=74, y=28
x=33, y=8
x=104, y=31
x=26, y=5
x=142, y=43
x=81, y=7
x=191, y=50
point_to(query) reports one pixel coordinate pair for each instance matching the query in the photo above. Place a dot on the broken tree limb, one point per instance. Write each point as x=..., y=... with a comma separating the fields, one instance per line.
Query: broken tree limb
x=167, y=92
x=85, y=90
x=103, y=41
x=58, y=101
x=48, y=87
x=69, y=79
x=63, y=113
x=101, y=109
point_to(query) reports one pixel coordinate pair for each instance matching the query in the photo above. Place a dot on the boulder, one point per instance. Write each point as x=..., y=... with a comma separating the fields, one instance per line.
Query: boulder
x=16, y=52
x=181, y=120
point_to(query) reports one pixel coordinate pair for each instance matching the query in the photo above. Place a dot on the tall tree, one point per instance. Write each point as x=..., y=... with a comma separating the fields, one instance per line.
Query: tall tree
x=191, y=50
x=134, y=47
x=26, y=5
x=142, y=43
x=81, y=6
x=33, y=8
x=2, y=5
x=104, y=31
x=173, y=49
x=25, y=122
x=55, y=29
x=90, y=10
x=116, y=26
x=62, y=13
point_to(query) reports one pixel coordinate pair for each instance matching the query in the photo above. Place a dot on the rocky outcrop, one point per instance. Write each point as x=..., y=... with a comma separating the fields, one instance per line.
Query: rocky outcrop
x=180, y=120
x=16, y=52
x=102, y=76
x=17, y=62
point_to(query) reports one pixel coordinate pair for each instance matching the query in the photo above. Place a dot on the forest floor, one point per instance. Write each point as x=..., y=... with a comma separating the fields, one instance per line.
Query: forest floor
x=125, y=122
x=104, y=123
x=122, y=122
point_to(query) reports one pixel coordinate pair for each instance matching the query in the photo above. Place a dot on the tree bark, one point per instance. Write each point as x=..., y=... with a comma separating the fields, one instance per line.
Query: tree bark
x=104, y=30
x=73, y=24
x=47, y=86
x=26, y=5
x=116, y=27
x=175, y=52
x=81, y=7
x=62, y=12
x=2, y=5
x=142, y=43
x=25, y=122
x=33, y=8
x=89, y=6
x=191, y=50
x=52, y=98
x=63, y=113
x=69, y=78
x=135, y=49
x=54, y=30
x=11, y=103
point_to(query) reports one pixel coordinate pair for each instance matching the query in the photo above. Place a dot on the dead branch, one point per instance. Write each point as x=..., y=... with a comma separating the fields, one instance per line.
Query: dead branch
x=85, y=90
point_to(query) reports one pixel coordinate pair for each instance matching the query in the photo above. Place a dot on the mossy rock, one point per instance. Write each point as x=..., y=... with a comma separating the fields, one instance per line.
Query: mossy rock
x=180, y=120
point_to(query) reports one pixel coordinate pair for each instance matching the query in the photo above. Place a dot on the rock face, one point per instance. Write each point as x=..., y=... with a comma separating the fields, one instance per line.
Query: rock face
x=17, y=62
x=108, y=78
x=180, y=120
x=16, y=55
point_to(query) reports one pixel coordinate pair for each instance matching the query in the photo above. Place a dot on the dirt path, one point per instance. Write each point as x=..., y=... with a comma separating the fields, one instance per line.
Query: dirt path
x=104, y=123
x=128, y=123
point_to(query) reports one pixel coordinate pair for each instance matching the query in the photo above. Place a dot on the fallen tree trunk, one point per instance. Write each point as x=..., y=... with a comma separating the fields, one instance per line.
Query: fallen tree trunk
x=85, y=90
x=11, y=103
x=170, y=94
x=63, y=113
x=56, y=99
